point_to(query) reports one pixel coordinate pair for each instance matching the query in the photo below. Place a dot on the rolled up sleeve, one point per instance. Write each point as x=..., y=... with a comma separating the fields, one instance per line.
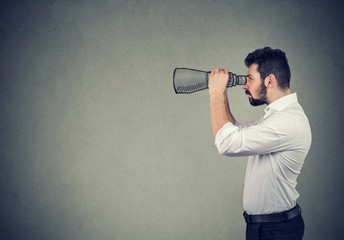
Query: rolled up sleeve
x=223, y=133
x=235, y=141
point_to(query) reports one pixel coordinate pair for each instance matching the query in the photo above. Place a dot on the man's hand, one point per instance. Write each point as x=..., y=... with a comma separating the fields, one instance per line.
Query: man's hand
x=218, y=80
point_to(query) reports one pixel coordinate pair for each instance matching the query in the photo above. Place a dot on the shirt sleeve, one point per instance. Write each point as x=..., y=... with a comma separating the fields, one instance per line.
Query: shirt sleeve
x=248, y=124
x=224, y=132
x=260, y=138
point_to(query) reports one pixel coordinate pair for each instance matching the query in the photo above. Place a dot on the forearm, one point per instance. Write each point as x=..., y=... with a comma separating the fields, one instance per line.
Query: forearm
x=220, y=111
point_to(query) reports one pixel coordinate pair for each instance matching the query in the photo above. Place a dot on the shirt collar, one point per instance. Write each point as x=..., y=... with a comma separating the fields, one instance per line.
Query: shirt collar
x=281, y=103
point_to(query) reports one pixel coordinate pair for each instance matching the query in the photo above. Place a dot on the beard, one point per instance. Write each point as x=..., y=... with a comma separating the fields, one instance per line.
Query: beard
x=262, y=96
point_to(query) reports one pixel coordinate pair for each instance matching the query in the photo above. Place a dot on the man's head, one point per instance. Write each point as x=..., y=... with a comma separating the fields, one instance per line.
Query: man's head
x=268, y=72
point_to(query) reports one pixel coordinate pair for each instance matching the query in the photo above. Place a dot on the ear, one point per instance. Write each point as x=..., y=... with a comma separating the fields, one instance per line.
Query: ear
x=270, y=81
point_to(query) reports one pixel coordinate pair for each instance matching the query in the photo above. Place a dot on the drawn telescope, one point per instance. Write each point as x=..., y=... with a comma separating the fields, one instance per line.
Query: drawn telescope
x=187, y=80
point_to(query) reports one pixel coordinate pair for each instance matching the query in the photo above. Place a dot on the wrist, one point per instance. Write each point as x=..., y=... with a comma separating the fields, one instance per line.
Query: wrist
x=218, y=94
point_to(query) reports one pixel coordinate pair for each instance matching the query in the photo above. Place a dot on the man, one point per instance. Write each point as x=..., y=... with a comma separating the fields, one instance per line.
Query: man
x=277, y=144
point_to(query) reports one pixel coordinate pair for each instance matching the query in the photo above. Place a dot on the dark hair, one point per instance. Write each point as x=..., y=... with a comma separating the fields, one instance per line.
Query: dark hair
x=271, y=61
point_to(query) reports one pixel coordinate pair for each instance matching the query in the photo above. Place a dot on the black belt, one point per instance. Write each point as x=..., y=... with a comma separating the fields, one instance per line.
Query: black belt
x=274, y=217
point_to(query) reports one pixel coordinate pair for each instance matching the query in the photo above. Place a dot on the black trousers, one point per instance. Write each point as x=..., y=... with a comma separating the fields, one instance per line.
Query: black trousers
x=291, y=229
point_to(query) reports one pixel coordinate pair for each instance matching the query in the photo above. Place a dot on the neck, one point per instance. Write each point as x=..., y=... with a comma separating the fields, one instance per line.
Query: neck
x=277, y=94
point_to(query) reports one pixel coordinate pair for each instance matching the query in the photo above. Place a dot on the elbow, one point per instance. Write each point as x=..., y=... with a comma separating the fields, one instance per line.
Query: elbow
x=221, y=150
x=225, y=151
x=225, y=142
x=230, y=150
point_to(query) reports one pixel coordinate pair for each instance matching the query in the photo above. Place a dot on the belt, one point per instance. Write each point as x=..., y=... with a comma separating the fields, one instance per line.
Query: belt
x=274, y=217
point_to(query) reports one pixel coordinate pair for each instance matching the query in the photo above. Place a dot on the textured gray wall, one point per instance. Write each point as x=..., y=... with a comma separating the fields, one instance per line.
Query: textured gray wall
x=96, y=145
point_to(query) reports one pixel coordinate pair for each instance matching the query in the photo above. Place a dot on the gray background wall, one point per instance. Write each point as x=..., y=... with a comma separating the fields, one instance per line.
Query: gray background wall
x=95, y=144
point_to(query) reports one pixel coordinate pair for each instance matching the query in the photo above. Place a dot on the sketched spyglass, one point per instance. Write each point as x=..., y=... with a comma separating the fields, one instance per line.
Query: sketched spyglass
x=188, y=80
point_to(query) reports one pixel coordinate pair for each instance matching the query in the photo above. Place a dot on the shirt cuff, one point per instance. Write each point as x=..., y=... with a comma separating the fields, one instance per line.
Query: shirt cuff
x=224, y=132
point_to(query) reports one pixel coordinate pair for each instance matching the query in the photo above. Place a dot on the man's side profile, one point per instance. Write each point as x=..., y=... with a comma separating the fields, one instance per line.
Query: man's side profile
x=276, y=144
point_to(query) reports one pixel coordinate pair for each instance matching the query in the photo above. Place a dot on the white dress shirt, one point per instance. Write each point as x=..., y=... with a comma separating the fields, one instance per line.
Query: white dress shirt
x=277, y=145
